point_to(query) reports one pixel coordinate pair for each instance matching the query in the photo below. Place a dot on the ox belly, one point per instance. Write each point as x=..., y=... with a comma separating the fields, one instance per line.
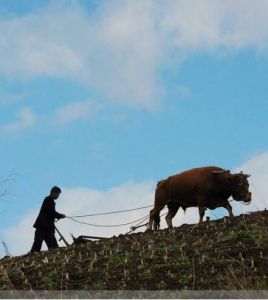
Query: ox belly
x=197, y=200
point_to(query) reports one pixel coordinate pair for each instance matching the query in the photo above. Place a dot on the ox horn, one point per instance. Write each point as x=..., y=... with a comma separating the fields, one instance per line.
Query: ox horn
x=221, y=171
x=245, y=175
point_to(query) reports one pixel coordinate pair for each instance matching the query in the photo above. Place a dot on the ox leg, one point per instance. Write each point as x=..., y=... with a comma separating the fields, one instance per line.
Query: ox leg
x=154, y=218
x=171, y=213
x=151, y=220
x=201, y=214
x=229, y=209
x=161, y=199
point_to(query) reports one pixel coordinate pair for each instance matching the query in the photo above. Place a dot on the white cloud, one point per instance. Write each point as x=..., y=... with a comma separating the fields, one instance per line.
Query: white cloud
x=13, y=237
x=118, y=49
x=206, y=25
x=76, y=111
x=114, y=55
x=25, y=119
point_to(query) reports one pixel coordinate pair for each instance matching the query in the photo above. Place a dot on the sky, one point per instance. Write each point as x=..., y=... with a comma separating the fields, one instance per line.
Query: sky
x=106, y=98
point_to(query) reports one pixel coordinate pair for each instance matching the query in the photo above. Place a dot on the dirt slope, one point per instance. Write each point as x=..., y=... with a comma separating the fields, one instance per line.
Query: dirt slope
x=219, y=255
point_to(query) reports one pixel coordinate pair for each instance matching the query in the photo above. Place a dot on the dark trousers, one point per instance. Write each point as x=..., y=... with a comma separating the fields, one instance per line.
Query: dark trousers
x=40, y=236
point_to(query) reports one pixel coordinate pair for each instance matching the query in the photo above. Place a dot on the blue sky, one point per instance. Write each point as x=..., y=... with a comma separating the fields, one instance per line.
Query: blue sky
x=108, y=97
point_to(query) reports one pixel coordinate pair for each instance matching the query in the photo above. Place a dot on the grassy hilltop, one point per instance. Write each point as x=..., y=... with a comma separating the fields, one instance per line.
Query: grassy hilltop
x=225, y=254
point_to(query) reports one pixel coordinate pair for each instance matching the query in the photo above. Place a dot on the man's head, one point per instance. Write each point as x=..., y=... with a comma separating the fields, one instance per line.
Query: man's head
x=55, y=192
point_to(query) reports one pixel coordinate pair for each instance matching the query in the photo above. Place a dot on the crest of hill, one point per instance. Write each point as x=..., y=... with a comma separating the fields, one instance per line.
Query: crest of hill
x=226, y=254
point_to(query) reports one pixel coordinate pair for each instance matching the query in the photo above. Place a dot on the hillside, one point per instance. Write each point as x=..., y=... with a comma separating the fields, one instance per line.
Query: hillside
x=226, y=254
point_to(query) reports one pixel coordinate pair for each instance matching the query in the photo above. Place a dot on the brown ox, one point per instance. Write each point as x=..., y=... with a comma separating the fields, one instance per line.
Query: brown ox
x=207, y=187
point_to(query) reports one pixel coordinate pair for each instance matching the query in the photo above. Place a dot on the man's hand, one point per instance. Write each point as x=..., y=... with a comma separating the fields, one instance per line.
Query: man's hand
x=63, y=216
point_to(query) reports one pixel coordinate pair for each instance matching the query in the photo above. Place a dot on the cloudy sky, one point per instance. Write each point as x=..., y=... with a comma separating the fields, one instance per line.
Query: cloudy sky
x=105, y=98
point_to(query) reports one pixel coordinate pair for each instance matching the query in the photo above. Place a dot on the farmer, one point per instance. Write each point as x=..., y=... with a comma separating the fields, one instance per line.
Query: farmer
x=44, y=224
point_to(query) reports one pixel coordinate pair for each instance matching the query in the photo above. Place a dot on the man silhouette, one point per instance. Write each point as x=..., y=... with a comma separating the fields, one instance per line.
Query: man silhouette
x=44, y=224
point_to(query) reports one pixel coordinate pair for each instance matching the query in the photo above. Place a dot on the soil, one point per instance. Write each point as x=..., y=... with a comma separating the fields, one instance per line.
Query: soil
x=226, y=254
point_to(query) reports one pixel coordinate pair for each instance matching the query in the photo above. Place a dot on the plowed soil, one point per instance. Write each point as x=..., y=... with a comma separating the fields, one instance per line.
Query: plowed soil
x=226, y=254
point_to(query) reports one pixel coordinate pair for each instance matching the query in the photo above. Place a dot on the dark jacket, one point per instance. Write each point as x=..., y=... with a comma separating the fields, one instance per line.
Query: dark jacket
x=47, y=216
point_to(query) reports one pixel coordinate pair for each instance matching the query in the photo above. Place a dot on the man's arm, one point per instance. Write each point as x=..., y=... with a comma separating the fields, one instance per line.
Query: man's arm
x=50, y=210
x=59, y=216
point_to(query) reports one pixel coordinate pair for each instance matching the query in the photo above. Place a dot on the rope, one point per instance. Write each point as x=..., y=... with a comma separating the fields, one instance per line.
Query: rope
x=138, y=225
x=99, y=225
x=147, y=217
x=111, y=212
x=134, y=227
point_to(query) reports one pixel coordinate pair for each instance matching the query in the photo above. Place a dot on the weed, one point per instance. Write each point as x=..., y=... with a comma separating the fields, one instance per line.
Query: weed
x=114, y=260
x=242, y=236
x=50, y=282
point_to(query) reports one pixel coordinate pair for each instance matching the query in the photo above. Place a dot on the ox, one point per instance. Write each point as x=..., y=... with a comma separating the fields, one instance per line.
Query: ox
x=207, y=187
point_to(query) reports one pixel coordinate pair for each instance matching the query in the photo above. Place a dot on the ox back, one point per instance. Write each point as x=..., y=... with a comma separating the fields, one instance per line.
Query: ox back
x=198, y=187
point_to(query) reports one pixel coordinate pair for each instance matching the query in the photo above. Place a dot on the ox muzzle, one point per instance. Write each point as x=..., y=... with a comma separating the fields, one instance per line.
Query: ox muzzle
x=244, y=198
x=247, y=199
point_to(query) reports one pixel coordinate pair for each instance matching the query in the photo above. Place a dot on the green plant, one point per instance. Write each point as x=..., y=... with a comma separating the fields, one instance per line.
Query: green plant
x=114, y=259
x=49, y=282
x=242, y=236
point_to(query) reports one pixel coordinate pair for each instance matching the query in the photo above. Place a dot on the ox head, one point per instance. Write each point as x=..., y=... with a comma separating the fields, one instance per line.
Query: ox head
x=240, y=187
x=238, y=184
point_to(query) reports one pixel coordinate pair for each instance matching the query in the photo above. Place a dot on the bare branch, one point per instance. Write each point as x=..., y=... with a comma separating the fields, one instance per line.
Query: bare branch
x=5, y=186
x=6, y=249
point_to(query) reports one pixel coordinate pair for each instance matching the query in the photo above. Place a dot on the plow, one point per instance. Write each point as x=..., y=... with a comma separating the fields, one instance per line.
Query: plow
x=86, y=238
